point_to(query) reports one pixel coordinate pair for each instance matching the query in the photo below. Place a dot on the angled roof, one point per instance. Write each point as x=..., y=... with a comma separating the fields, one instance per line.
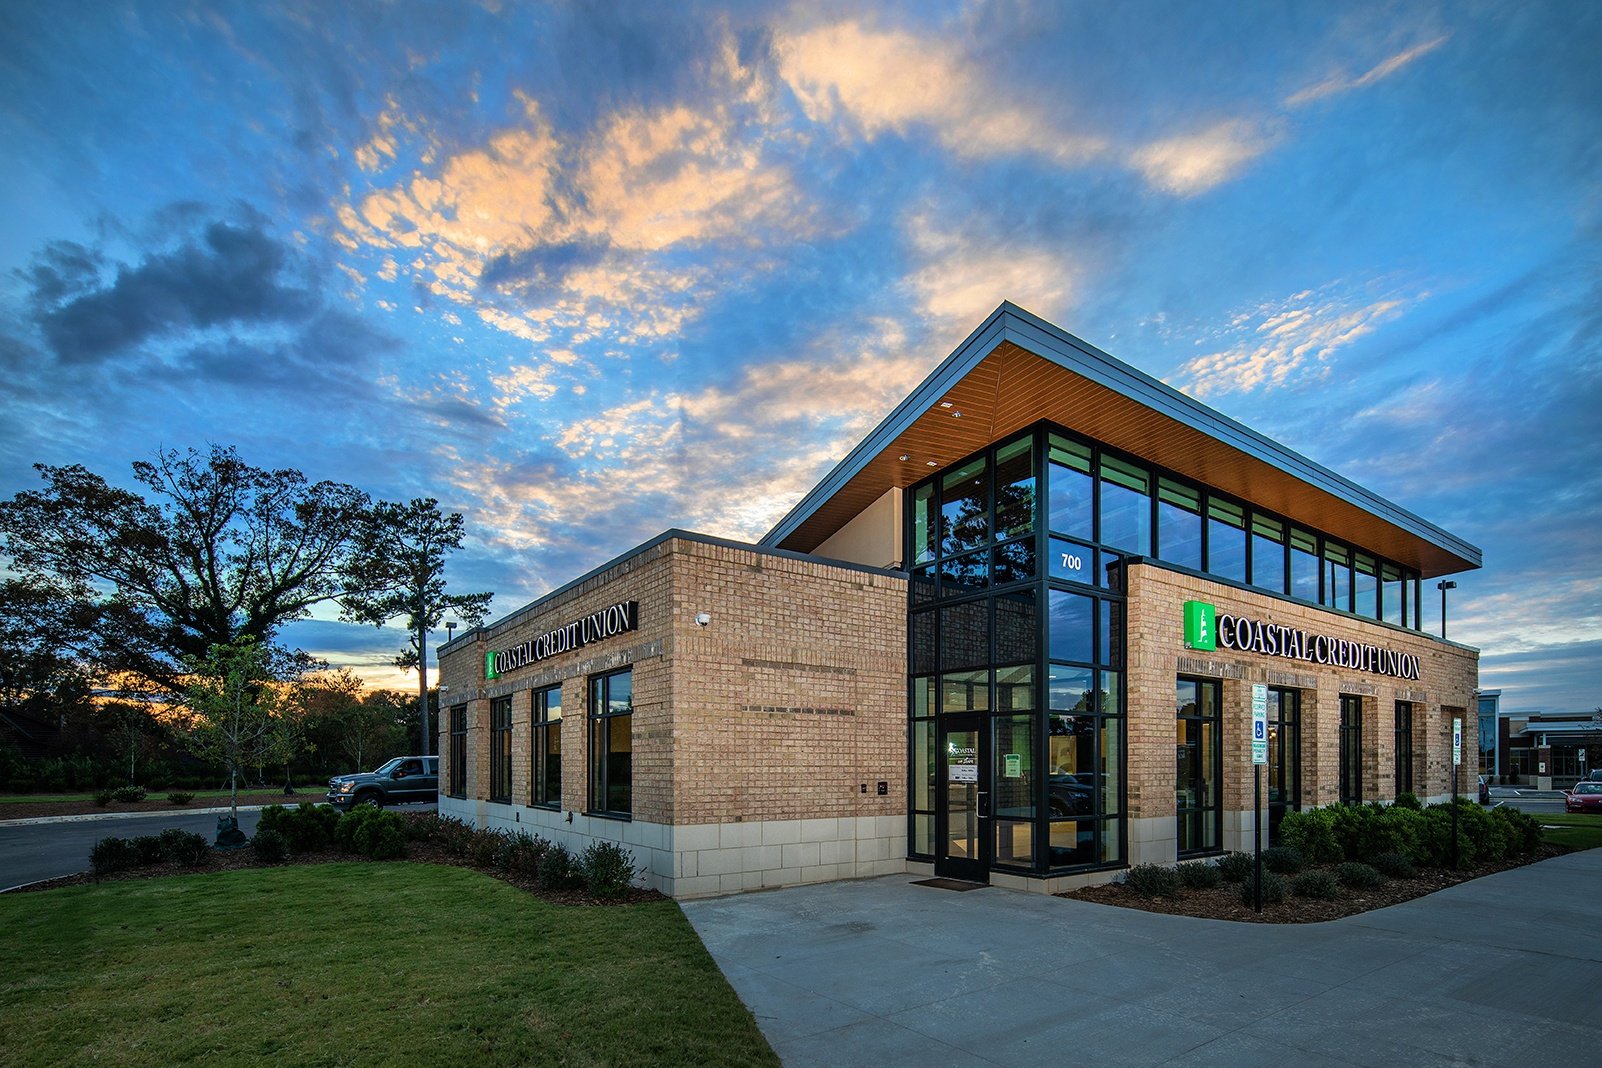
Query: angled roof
x=1017, y=369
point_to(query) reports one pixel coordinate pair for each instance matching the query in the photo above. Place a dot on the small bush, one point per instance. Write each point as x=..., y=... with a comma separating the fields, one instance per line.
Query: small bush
x=150, y=848
x=1200, y=876
x=1523, y=830
x=271, y=846
x=1359, y=876
x=520, y=854
x=1394, y=866
x=484, y=847
x=1283, y=860
x=1312, y=833
x=103, y=797
x=425, y=826
x=306, y=828
x=609, y=869
x=559, y=870
x=1318, y=884
x=1235, y=867
x=186, y=847
x=180, y=797
x=375, y=833
x=385, y=841
x=112, y=855
x=128, y=793
x=1273, y=889
x=1153, y=880
x=1407, y=799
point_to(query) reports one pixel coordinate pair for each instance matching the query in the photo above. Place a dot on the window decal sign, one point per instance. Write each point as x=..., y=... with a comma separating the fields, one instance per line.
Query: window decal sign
x=1204, y=621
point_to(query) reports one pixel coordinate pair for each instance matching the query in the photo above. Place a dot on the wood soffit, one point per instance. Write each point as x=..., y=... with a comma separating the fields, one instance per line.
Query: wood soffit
x=1012, y=388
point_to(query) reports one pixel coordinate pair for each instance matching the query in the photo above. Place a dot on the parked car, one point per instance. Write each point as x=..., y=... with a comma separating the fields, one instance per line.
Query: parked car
x=1071, y=794
x=398, y=781
x=1595, y=776
x=1485, y=791
x=1585, y=797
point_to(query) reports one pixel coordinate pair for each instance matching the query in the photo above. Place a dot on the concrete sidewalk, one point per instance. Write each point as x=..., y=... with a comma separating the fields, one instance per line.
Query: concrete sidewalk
x=1503, y=970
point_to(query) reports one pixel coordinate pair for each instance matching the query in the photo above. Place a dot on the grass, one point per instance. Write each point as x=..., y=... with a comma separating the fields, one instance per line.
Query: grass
x=357, y=963
x=1573, y=830
x=319, y=788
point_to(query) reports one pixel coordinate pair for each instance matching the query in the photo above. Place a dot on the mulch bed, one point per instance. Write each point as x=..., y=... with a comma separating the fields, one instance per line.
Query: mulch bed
x=27, y=810
x=416, y=852
x=1223, y=902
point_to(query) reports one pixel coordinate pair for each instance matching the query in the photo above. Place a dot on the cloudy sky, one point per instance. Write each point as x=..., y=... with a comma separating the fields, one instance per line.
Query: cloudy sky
x=584, y=271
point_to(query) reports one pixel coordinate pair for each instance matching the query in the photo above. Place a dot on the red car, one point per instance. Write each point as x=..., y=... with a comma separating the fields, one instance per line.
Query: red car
x=1585, y=797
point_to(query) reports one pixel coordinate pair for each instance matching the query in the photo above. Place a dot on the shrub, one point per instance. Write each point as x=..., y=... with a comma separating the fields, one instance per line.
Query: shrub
x=1360, y=876
x=1283, y=860
x=559, y=870
x=1394, y=866
x=375, y=833
x=128, y=793
x=103, y=797
x=180, y=797
x=306, y=828
x=484, y=847
x=186, y=847
x=1523, y=830
x=1312, y=833
x=425, y=826
x=609, y=870
x=1200, y=876
x=1273, y=889
x=520, y=853
x=1319, y=884
x=271, y=846
x=1235, y=867
x=1408, y=799
x=150, y=848
x=112, y=855
x=1153, y=880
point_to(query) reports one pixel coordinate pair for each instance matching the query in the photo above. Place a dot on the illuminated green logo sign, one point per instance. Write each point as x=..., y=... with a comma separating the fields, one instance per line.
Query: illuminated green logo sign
x=1201, y=621
x=489, y=667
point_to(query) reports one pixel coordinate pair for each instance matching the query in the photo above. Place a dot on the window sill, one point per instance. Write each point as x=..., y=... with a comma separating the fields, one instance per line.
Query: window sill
x=620, y=817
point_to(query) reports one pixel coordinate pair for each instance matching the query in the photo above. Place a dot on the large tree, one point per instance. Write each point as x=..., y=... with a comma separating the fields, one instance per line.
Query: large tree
x=398, y=571
x=215, y=550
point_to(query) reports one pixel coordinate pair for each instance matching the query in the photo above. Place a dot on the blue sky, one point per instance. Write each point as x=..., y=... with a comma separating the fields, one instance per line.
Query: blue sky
x=586, y=271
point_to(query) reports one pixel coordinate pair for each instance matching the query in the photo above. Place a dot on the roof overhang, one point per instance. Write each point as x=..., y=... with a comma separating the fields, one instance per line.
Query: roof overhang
x=1017, y=369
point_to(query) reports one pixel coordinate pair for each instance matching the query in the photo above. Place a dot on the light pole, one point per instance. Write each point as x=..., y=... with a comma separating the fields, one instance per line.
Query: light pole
x=1443, y=586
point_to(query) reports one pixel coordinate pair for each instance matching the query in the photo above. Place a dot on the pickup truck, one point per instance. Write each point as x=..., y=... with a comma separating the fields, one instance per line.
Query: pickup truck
x=398, y=781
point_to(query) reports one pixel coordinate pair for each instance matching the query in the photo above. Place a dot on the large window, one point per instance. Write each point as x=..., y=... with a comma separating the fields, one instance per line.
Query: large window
x=1199, y=770
x=1179, y=524
x=545, y=780
x=1404, y=747
x=500, y=788
x=1351, y=749
x=456, y=785
x=1284, y=757
x=612, y=743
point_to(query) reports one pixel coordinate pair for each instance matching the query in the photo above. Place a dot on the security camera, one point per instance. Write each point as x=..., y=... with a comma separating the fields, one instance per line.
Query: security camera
x=702, y=618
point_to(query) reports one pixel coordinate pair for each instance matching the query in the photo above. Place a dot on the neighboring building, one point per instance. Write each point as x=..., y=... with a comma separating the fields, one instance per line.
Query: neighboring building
x=1015, y=636
x=1489, y=704
x=1549, y=749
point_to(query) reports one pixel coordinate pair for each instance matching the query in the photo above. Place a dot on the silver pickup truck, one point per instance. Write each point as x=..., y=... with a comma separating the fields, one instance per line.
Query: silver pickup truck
x=397, y=782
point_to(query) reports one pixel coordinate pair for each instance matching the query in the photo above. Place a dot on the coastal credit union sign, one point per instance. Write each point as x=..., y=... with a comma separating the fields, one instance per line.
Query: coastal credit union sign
x=618, y=619
x=1207, y=629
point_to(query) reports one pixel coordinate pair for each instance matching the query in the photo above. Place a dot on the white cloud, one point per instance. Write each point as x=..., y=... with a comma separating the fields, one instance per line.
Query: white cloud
x=961, y=277
x=1288, y=342
x=1194, y=163
x=878, y=81
x=1341, y=82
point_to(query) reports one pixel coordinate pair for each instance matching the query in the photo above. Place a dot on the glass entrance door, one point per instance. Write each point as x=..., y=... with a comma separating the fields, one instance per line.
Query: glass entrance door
x=962, y=813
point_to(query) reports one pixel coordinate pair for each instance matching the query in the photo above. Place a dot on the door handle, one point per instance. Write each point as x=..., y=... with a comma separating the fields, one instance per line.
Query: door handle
x=984, y=795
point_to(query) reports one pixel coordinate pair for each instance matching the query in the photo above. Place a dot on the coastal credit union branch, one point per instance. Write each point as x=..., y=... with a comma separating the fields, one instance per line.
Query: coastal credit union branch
x=1014, y=637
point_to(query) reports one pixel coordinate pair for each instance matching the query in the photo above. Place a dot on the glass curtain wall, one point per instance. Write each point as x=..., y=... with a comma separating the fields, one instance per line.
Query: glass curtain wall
x=1037, y=650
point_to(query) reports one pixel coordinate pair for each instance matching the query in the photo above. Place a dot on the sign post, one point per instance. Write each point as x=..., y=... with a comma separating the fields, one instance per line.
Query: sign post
x=1457, y=761
x=1259, y=758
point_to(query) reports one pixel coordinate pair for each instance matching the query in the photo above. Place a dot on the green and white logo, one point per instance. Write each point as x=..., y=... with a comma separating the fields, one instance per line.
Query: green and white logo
x=1201, y=626
x=489, y=667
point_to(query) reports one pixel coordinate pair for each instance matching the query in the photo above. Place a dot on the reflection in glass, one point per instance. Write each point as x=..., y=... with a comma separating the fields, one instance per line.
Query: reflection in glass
x=1071, y=630
x=1268, y=553
x=924, y=523
x=965, y=574
x=1070, y=488
x=1015, y=688
x=964, y=516
x=1303, y=565
x=1197, y=769
x=1070, y=689
x=1015, y=843
x=1365, y=587
x=1125, y=506
x=1337, y=577
x=1015, y=561
x=1226, y=540
x=1017, y=627
x=1391, y=593
x=1015, y=489
x=1072, y=561
x=965, y=691
x=1073, y=842
x=1179, y=524
x=1014, y=779
x=965, y=635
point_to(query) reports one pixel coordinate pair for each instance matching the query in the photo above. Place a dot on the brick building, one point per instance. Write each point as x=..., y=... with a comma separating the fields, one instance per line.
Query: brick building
x=1017, y=636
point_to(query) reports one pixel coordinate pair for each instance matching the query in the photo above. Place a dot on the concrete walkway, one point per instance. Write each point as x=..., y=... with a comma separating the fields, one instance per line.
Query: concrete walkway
x=1505, y=970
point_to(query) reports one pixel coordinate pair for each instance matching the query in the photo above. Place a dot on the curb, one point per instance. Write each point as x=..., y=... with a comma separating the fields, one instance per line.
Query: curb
x=91, y=817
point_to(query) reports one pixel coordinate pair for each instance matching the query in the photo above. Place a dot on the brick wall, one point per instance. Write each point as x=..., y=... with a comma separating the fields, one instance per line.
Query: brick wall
x=1448, y=676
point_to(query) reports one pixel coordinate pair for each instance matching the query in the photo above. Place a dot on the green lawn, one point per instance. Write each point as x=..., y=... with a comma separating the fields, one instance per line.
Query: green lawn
x=357, y=963
x=1573, y=830
x=309, y=792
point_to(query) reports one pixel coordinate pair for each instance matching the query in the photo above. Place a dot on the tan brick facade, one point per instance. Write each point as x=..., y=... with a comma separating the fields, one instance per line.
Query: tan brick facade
x=1448, y=675
x=759, y=739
